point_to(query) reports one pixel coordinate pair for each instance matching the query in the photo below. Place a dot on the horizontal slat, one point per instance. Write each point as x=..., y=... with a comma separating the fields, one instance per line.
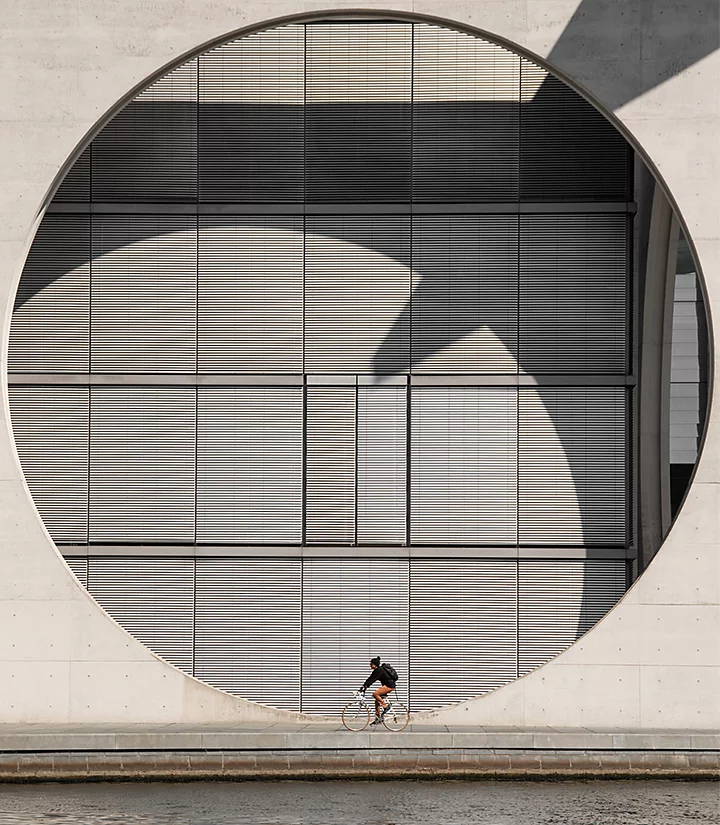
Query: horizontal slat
x=144, y=293
x=50, y=425
x=573, y=466
x=75, y=187
x=79, y=566
x=251, y=118
x=152, y=598
x=148, y=151
x=357, y=288
x=330, y=465
x=560, y=601
x=463, y=623
x=51, y=319
x=250, y=294
x=250, y=456
x=466, y=110
x=464, y=465
x=568, y=149
x=381, y=465
x=353, y=610
x=574, y=294
x=465, y=294
x=247, y=638
x=142, y=464
x=357, y=112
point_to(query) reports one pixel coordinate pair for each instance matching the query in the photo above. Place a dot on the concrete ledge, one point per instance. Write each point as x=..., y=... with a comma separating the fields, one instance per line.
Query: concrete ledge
x=329, y=737
x=357, y=764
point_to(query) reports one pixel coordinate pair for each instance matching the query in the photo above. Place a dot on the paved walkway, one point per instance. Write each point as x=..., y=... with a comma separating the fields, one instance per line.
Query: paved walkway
x=328, y=734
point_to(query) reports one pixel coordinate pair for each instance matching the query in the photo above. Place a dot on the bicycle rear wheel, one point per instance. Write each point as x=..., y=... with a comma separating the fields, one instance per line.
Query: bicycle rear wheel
x=356, y=716
x=397, y=717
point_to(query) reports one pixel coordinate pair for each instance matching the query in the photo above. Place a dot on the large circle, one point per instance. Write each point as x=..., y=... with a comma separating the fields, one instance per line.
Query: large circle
x=332, y=334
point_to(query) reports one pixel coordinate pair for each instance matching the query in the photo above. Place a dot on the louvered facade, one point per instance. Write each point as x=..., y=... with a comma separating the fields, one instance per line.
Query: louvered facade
x=324, y=351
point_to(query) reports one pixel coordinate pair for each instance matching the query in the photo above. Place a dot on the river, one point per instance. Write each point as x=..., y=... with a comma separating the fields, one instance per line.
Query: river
x=363, y=803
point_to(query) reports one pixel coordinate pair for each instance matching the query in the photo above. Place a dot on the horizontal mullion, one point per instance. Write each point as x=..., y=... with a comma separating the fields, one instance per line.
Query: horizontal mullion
x=346, y=551
x=294, y=380
x=489, y=208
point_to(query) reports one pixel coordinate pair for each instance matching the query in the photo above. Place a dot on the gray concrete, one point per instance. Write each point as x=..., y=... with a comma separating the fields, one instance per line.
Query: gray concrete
x=325, y=750
x=331, y=735
x=654, y=662
x=379, y=763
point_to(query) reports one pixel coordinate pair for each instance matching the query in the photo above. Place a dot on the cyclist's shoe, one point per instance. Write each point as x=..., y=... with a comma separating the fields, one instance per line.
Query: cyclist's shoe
x=376, y=721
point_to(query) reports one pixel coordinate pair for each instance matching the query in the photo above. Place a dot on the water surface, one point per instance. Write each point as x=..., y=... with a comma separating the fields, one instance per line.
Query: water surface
x=362, y=803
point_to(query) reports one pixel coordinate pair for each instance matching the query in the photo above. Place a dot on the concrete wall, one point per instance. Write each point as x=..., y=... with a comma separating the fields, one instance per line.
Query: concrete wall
x=655, y=660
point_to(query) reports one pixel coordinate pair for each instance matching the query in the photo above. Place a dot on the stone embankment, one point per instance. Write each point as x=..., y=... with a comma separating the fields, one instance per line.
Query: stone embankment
x=325, y=751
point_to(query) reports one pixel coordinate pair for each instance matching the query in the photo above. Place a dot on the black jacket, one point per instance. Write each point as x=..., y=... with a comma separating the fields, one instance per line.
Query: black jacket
x=379, y=674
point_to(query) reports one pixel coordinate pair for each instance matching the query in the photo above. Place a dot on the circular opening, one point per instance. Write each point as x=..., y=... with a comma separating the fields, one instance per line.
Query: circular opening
x=327, y=346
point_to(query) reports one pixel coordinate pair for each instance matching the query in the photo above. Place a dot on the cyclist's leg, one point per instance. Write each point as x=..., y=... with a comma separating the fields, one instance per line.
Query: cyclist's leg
x=379, y=701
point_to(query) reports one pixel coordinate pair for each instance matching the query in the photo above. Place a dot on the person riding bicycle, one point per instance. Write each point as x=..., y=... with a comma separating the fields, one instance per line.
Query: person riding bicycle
x=387, y=676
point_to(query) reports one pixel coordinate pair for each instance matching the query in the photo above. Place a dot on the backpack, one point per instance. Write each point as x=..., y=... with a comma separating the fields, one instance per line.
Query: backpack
x=391, y=672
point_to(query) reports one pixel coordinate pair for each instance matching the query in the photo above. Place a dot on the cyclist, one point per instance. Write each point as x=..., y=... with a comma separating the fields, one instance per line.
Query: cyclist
x=387, y=676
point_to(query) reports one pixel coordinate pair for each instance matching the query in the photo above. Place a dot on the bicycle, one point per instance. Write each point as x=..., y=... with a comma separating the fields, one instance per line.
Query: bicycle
x=357, y=714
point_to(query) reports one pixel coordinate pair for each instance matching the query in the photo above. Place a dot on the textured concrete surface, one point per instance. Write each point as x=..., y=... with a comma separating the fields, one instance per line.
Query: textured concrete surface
x=358, y=764
x=654, y=661
x=331, y=735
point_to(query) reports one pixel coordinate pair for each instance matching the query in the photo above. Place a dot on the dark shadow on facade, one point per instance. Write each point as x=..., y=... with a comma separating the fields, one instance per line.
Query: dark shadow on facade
x=674, y=36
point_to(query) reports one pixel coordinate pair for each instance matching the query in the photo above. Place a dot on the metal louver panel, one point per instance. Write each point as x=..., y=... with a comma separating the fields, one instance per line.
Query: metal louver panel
x=464, y=465
x=249, y=475
x=466, y=99
x=142, y=464
x=251, y=118
x=381, y=465
x=560, y=600
x=148, y=151
x=75, y=186
x=330, y=465
x=247, y=628
x=50, y=425
x=250, y=294
x=144, y=293
x=574, y=293
x=357, y=277
x=79, y=566
x=463, y=625
x=152, y=598
x=572, y=474
x=357, y=114
x=353, y=610
x=51, y=318
x=568, y=150
x=464, y=303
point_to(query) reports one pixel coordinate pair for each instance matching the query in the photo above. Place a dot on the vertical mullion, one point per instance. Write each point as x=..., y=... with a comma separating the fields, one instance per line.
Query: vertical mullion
x=412, y=117
x=91, y=231
x=411, y=239
x=197, y=428
x=194, y=616
x=357, y=439
x=408, y=385
x=303, y=537
x=197, y=363
x=303, y=526
x=518, y=339
x=197, y=128
x=302, y=628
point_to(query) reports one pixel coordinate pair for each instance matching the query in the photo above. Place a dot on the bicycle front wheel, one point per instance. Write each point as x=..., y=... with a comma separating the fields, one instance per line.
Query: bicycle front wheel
x=397, y=717
x=356, y=716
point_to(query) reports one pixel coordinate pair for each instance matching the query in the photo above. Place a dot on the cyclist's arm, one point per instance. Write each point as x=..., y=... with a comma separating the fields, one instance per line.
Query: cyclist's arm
x=370, y=679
